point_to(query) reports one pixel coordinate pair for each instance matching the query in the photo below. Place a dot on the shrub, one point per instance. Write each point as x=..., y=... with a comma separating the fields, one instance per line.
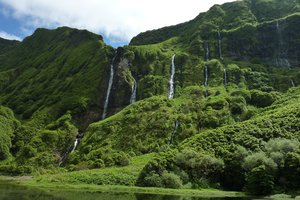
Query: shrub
x=200, y=166
x=234, y=174
x=121, y=159
x=261, y=99
x=153, y=180
x=291, y=172
x=282, y=145
x=260, y=181
x=171, y=180
x=258, y=159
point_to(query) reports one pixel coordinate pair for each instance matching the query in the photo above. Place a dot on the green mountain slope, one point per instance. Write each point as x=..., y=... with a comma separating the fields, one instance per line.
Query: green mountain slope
x=235, y=75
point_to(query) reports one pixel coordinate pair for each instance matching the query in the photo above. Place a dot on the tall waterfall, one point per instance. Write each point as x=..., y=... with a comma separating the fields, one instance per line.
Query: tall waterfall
x=281, y=59
x=220, y=45
x=206, y=68
x=133, y=95
x=75, y=145
x=174, y=131
x=206, y=51
x=225, y=76
x=292, y=83
x=171, y=82
x=110, y=82
x=206, y=76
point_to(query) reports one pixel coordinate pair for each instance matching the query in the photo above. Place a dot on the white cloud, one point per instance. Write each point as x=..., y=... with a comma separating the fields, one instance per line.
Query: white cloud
x=9, y=36
x=121, y=19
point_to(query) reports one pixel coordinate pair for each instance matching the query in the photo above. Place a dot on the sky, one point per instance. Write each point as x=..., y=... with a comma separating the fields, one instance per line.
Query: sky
x=116, y=20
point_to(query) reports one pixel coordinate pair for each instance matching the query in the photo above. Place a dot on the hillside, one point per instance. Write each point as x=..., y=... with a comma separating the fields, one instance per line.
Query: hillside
x=218, y=93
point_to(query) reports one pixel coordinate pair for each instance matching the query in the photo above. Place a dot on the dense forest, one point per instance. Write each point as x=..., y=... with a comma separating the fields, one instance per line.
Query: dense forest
x=209, y=103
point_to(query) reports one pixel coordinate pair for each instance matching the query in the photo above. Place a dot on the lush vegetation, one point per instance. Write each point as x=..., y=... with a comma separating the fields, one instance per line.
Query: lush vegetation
x=240, y=131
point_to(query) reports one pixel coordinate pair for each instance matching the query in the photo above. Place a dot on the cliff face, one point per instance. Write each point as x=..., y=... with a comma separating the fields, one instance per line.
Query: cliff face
x=274, y=42
x=249, y=29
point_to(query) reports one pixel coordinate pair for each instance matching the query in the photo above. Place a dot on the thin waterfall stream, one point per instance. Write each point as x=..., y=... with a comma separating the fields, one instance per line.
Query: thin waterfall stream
x=133, y=95
x=174, y=131
x=110, y=82
x=225, y=76
x=281, y=59
x=220, y=45
x=293, y=83
x=206, y=68
x=171, y=82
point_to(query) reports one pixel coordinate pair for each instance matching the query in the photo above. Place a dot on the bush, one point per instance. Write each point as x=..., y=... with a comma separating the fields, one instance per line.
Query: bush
x=152, y=180
x=258, y=159
x=261, y=99
x=234, y=174
x=260, y=181
x=200, y=166
x=171, y=180
x=121, y=159
x=282, y=145
x=291, y=172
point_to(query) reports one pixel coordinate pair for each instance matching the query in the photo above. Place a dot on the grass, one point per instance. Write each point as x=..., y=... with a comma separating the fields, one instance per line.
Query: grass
x=139, y=190
x=107, y=176
x=110, y=180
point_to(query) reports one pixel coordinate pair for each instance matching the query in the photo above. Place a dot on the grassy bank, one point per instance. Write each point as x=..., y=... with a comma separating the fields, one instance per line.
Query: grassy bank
x=126, y=175
x=112, y=180
x=133, y=189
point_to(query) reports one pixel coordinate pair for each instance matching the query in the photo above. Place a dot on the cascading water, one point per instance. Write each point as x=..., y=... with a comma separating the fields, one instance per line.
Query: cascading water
x=206, y=68
x=71, y=149
x=281, y=59
x=171, y=82
x=225, y=76
x=174, y=131
x=206, y=76
x=292, y=83
x=220, y=45
x=110, y=82
x=133, y=95
x=206, y=51
x=75, y=145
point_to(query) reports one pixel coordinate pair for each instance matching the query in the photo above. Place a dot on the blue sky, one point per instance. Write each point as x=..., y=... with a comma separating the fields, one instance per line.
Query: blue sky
x=116, y=20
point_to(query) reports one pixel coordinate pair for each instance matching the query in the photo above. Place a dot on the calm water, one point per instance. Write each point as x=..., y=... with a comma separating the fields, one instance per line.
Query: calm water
x=9, y=191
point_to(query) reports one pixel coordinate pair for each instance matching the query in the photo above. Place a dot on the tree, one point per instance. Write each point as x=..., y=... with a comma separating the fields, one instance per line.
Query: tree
x=260, y=181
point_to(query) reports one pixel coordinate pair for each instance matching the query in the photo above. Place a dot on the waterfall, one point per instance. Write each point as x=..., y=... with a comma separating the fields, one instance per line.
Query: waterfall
x=292, y=83
x=171, y=90
x=133, y=95
x=75, y=145
x=206, y=51
x=220, y=45
x=206, y=58
x=281, y=59
x=225, y=76
x=71, y=149
x=206, y=76
x=110, y=82
x=174, y=131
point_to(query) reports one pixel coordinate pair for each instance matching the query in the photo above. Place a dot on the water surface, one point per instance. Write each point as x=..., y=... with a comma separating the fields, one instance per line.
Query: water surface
x=10, y=191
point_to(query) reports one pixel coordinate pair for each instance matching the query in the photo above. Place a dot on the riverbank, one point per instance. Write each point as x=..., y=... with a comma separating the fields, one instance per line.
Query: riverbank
x=32, y=183
x=110, y=180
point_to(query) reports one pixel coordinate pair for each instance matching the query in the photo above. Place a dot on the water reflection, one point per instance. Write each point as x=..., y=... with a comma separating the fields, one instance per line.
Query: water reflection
x=9, y=191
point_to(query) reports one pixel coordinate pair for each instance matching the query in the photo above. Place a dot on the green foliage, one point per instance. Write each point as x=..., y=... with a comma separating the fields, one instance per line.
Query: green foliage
x=171, y=180
x=234, y=174
x=260, y=181
x=8, y=125
x=240, y=134
x=258, y=159
x=261, y=99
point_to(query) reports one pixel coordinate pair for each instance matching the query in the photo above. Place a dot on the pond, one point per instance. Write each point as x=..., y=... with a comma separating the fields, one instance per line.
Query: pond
x=10, y=191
